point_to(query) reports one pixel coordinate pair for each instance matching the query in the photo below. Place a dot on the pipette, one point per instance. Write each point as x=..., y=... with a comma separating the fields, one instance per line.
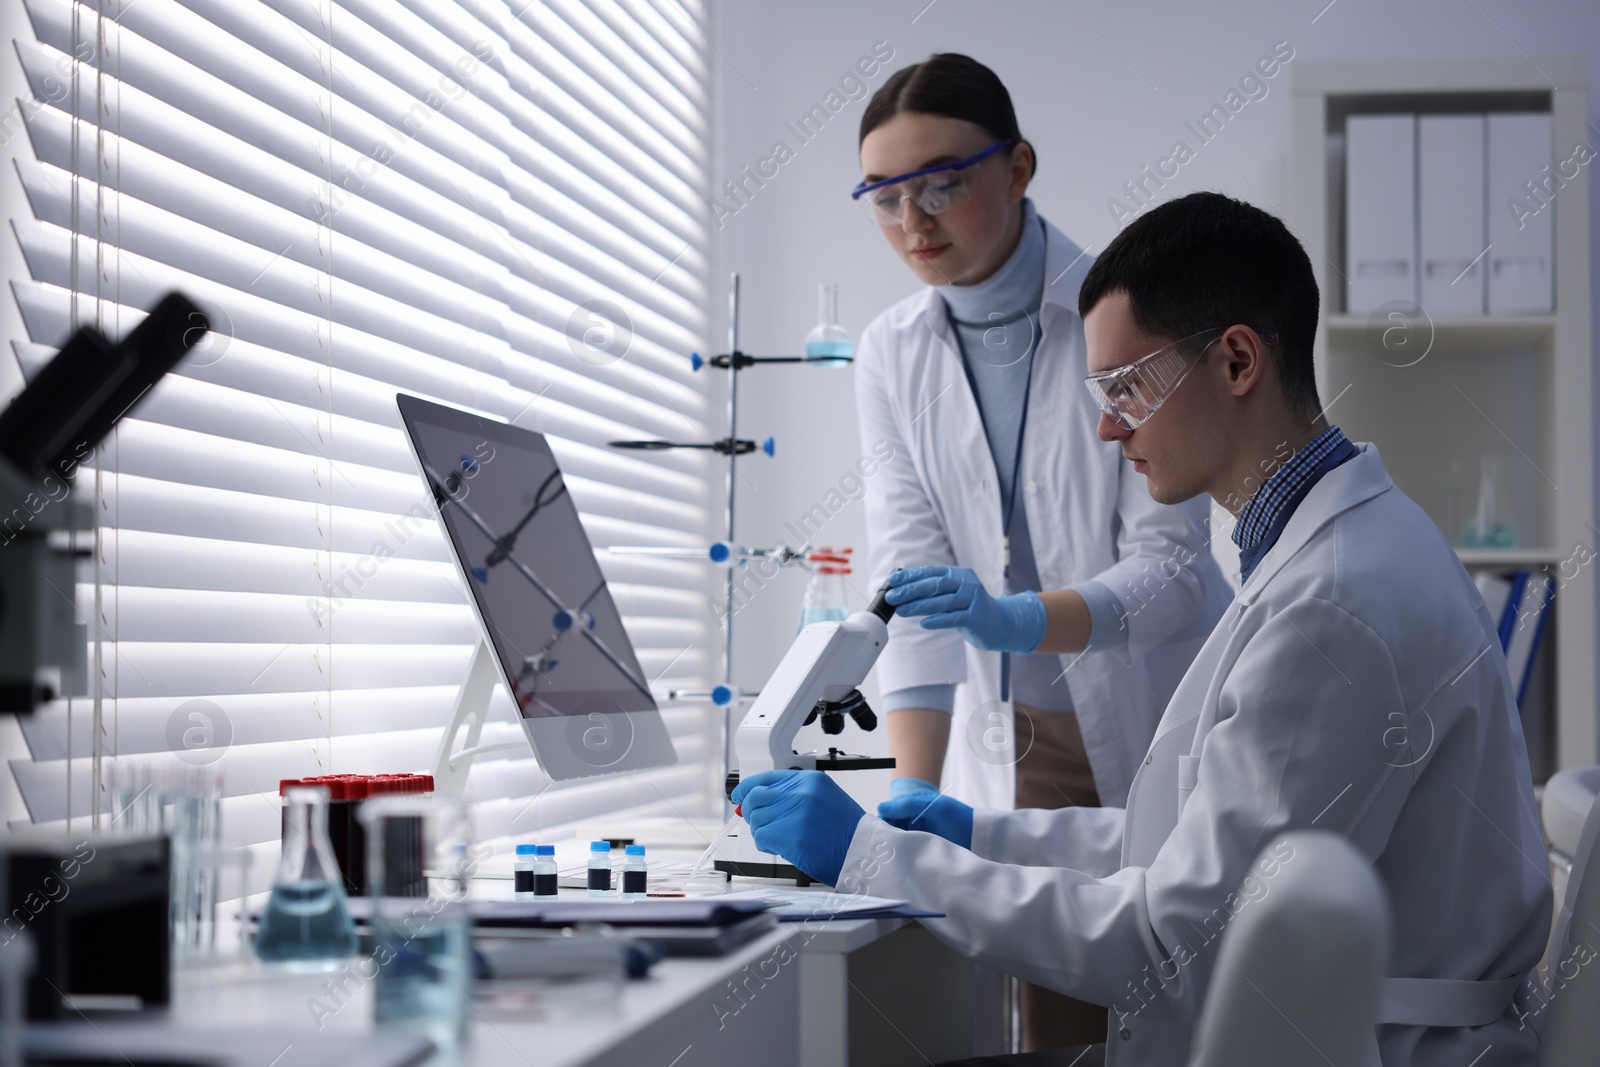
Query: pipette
x=738, y=813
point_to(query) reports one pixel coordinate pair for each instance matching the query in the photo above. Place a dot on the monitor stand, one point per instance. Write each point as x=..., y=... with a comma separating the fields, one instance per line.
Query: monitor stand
x=472, y=711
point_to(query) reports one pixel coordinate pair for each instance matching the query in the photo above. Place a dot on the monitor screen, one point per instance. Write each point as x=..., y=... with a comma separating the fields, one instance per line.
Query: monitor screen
x=538, y=591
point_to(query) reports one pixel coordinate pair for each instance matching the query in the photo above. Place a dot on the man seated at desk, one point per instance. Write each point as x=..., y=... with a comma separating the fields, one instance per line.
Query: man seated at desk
x=1355, y=617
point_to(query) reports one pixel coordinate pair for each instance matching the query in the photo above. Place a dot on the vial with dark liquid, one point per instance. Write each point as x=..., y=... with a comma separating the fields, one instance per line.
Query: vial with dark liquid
x=544, y=871
x=599, y=869
x=634, y=873
x=523, y=872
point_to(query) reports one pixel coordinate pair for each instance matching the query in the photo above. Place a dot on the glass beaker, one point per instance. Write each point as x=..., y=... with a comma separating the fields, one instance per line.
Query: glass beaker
x=134, y=801
x=183, y=802
x=306, y=923
x=420, y=857
x=827, y=343
x=191, y=804
x=1492, y=526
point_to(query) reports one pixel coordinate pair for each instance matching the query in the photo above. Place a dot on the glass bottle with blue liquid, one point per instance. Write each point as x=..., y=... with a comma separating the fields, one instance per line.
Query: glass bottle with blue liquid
x=825, y=596
x=421, y=940
x=306, y=924
x=827, y=343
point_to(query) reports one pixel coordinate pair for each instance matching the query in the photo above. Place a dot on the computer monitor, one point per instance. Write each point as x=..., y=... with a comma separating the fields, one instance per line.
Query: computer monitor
x=538, y=593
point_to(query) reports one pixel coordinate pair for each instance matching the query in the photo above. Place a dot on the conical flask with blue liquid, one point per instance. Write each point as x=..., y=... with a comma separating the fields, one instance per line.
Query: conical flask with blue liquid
x=827, y=343
x=306, y=923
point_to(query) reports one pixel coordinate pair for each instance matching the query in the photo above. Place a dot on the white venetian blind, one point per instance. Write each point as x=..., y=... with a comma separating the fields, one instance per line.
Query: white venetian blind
x=368, y=197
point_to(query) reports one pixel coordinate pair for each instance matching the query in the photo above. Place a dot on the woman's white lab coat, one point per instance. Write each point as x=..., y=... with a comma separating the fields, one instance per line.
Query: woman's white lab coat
x=1356, y=684
x=1089, y=516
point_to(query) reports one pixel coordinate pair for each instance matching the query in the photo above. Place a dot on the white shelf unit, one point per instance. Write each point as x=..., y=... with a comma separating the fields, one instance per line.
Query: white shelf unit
x=1519, y=386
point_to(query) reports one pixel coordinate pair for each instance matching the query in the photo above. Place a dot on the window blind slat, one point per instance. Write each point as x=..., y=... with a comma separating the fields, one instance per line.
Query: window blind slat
x=266, y=543
x=286, y=43
x=648, y=48
x=618, y=39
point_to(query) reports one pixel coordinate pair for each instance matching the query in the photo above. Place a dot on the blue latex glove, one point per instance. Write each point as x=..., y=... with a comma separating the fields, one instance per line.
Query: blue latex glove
x=918, y=805
x=802, y=816
x=952, y=598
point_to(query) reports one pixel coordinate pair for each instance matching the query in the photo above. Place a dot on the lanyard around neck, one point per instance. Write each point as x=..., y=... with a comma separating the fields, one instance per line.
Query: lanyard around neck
x=1008, y=507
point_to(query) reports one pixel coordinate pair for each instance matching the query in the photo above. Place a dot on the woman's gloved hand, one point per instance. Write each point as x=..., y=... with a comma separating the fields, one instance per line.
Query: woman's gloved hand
x=952, y=598
x=803, y=816
x=914, y=804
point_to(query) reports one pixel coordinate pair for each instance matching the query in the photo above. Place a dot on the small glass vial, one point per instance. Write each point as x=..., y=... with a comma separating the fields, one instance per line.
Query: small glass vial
x=544, y=871
x=599, y=869
x=634, y=873
x=524, y=872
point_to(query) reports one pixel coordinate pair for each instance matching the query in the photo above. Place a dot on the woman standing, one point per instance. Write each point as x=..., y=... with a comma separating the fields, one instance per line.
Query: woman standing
x=1000, y=486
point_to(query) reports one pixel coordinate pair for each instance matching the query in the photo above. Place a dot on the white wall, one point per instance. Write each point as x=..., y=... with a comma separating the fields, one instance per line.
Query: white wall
x=1101, y=89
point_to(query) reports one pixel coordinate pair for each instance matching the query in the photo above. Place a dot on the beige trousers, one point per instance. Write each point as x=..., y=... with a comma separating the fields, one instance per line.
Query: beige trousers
x=1054, y=773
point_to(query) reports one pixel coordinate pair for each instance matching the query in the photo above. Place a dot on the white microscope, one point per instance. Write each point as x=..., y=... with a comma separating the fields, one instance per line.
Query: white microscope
x=817, y=678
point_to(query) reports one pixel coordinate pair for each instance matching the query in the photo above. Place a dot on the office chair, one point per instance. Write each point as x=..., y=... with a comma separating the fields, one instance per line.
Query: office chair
x=1269, y=1004
x=1572, y=971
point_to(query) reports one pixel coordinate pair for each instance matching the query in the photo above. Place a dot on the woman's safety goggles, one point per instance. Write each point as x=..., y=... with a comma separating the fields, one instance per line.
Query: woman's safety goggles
x=1132, y=393
x=934, y=190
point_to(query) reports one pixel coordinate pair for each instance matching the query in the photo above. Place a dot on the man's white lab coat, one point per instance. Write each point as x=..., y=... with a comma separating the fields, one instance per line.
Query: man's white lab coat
x=1356, y=684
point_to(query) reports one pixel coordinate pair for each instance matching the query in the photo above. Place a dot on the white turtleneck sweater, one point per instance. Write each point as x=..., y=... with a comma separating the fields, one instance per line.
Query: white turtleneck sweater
x=998, y=321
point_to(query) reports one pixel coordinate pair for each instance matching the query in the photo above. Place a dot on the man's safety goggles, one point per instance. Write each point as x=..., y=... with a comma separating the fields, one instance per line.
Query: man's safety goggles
x=934, y=190
x=1130, y=394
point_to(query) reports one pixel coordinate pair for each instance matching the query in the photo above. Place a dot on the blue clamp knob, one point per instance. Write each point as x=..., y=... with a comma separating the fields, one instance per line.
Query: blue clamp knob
x=720, y=551
x=469, y=464
x=695, y=361
x=481, y=574
x=769, y=446
x=722, y=695
x=564, y=620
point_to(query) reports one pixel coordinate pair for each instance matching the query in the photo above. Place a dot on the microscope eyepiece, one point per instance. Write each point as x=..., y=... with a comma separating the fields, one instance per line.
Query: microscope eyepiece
x=880, y=605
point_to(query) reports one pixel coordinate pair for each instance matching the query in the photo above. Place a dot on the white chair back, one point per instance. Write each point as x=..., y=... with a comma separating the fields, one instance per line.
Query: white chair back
x=1572, y=969
x=1300, y=967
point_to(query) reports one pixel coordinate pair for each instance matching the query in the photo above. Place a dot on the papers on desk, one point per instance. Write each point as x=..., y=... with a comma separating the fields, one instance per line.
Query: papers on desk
x=797, y=905
x=699, y=911
x=787, y=905
x=750, y=910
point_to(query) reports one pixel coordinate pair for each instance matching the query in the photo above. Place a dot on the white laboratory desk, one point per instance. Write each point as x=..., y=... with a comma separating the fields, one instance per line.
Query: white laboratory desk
x=864, y=991
x=887, y=992
x=677, y=1017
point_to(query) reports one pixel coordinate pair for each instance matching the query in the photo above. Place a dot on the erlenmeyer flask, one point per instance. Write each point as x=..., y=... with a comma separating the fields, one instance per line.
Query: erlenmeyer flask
x=827, y=343
x=306, y=920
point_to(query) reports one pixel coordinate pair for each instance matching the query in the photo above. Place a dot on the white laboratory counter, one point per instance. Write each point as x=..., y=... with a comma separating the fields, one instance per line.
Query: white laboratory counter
x=867, y=991
x=684, y=1014
x=850, y=991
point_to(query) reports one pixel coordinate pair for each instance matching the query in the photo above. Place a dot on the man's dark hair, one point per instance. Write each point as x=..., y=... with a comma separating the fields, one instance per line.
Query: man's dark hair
x=1206, y=260
x=952, y=85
